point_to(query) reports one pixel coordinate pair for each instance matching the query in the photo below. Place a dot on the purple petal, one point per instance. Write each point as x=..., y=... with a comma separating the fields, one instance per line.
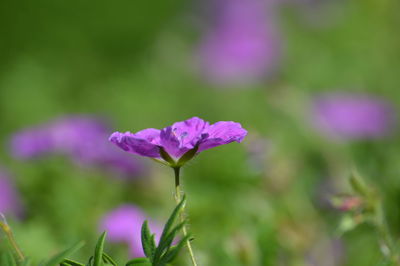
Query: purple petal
x=182, y=136
x=221, y=133
x=189, y=131
x=179, y=138
x=144, y=142
x=170, y=142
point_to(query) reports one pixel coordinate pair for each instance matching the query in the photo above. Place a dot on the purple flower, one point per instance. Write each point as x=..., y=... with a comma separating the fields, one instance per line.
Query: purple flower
x=194, y=135
x=79, y=137
x=352, y=116
x=327, y=252
x=242, y=45
x=123, y=225
x=31, y=143
x=9, y=198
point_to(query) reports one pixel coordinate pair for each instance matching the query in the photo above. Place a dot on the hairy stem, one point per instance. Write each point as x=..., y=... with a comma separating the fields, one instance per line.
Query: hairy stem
x=7, y=230
x=182, y=215
x=388, y=246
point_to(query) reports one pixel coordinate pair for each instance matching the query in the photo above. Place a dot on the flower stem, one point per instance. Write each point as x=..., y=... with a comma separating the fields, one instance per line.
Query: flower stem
x=7, y=230
x=182, y=215
x=388, y=246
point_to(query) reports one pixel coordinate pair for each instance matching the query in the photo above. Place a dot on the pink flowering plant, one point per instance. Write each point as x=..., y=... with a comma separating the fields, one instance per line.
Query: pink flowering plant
x=177, y=144
x=172, y=146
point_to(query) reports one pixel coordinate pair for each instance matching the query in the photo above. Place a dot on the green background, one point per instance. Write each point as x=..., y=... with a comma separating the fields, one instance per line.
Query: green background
x=132, y=62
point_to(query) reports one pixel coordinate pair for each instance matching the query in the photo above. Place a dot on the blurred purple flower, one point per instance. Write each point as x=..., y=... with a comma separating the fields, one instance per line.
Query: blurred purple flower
x=80, y=137
x=353, y=116
x=243, y=45
x=327, y=252
x=31, y=143
x=9, y=198
x=179, y=138
x=123, y=225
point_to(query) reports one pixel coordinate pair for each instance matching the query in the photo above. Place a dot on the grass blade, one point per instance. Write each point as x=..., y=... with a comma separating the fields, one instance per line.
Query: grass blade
x=98, y=252
x=57, y=259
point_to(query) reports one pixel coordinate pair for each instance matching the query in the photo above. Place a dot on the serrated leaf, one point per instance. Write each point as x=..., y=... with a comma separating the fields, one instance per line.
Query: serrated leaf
x=57, y=259
x=98, y=251
x=107, y=258
x=72, y=263
x=139, y=262
x=148, y=243
x=174, y=251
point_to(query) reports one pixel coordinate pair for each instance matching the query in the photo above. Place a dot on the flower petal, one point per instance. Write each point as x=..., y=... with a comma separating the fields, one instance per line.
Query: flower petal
x=221, y=133
x=182, y=136
x=170, y=142
x=188, y=132
x=144, y=142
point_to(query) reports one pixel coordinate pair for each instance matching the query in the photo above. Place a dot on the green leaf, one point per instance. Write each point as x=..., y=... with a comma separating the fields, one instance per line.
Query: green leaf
x=165, y=239
x=174, y=251
x=172, y=219
x=348, y=223
x=358, y=184
x=7, y=259
x=187, y=156
x=26, y=262
x=148, y=243
x=90, y=263
x=107, y=259
x=57, y=259
x=139, y=261
x=72, y=263
x=98, y=251
x=166, y=156
x=165, y=245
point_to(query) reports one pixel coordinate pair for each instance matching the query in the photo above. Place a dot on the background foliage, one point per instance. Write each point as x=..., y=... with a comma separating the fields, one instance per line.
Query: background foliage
x=133, y=62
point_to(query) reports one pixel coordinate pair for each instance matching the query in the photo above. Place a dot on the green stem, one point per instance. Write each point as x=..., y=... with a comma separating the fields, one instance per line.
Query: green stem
x=7, y=230
x=182, y=215
x=386, y=238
